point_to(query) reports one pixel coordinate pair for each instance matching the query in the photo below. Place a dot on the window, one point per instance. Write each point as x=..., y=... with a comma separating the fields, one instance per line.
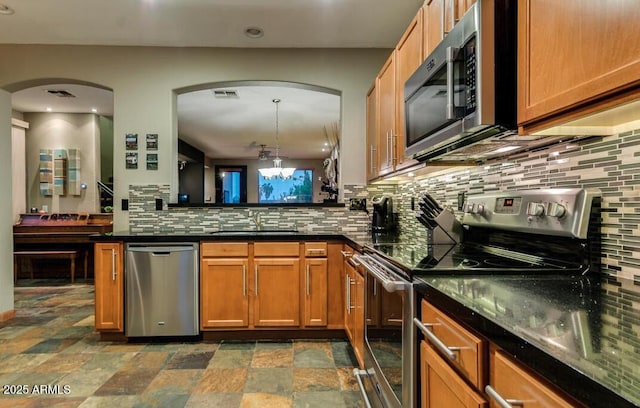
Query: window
x=297, y=189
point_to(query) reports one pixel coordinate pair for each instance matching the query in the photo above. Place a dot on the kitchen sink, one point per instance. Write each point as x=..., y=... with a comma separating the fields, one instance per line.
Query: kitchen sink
x=256, y=232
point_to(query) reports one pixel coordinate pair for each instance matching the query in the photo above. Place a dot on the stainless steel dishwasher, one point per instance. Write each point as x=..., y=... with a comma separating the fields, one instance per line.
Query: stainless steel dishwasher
x=161, y=289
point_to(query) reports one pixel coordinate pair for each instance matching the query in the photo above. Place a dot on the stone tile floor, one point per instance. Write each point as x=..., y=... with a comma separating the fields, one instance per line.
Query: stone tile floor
x=51, y=357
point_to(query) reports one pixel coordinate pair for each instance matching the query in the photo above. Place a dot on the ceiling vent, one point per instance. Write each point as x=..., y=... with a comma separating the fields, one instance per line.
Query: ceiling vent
x=219, y=93
x=61, y=93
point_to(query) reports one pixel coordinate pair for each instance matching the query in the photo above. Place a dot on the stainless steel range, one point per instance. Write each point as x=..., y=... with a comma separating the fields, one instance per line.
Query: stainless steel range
x=507, y=233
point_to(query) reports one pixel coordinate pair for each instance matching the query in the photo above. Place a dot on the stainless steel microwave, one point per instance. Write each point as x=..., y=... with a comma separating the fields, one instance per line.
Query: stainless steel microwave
x=465, y=91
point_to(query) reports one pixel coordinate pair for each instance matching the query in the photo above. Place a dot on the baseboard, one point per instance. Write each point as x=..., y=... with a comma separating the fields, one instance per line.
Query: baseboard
x=9, y=314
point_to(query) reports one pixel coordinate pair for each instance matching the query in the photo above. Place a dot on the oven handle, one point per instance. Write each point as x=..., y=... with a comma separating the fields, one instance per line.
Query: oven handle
x=389, y=285
x=358, y=373
x=434, y=339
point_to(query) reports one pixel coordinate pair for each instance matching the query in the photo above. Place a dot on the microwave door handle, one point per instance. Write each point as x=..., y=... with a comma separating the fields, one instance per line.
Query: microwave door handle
x=451, y=60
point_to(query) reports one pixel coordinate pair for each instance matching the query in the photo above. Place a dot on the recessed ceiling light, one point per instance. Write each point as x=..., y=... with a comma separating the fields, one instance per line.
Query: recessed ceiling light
x=4, y=9
x=49, y=109
x=253, y=32
x=94, y=110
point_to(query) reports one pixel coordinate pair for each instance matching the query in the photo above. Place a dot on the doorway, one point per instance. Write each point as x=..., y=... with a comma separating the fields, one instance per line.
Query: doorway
x=231, y=184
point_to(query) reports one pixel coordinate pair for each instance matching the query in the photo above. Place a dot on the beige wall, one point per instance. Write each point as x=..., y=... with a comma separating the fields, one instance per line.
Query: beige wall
x=6, y=206
x=19, y=168
x=64, y=131
x=143, y=80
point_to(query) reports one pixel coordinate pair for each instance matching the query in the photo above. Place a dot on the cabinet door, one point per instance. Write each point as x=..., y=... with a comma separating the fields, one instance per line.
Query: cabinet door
x=513, y=382
x=441, y=386
x=315, y=304
x=224, y=300
x=432, y=32
x=569, y=54
x=276, y=292
x=372, y=134
x=386, y=85
x=408, y=58
x=109, y=289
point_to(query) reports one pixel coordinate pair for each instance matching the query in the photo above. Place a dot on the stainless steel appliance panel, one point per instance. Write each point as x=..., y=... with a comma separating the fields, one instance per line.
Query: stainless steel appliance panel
x=161, y=290
x=389, y=371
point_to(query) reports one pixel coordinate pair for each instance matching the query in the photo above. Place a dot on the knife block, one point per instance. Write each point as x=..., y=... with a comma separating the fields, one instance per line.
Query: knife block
x=447, y=231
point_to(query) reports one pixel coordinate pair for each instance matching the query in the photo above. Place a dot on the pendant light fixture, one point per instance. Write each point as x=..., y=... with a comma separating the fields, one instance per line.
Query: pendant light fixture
x=277, y=171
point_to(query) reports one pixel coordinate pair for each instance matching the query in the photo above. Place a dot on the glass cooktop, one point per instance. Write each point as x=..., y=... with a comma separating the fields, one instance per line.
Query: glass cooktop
x=468, y=258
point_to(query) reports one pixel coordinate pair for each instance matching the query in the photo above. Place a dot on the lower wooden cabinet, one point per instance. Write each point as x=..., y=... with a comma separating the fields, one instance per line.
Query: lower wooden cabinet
x=224, y=293
x=315, y=291
x=109, y=287
x=454, y=372
x=276, y=292
x=354, y=318
x=513, y=382
x=269, y=285
x=441, y=386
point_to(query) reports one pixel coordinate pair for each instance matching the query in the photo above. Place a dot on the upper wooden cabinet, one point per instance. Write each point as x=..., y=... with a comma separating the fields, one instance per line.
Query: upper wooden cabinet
x=575, y=59
x=372, y=133
x=439, y=18
x=408, y=59
x=386, y=115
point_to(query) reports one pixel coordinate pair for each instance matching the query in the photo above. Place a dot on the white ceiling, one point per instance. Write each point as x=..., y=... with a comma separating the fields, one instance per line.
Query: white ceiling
x=208, y=23
x=213, y=23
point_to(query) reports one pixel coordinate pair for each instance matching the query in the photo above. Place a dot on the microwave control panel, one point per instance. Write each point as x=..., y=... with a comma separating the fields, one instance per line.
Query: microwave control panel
x=470, y=74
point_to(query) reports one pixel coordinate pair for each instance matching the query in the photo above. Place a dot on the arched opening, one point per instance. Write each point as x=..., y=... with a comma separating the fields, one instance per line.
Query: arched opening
x=226, y=126
x=62, y=174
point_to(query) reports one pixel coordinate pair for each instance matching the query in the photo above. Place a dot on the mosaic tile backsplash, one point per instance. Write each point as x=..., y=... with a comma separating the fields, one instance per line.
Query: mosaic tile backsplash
x=611, y=164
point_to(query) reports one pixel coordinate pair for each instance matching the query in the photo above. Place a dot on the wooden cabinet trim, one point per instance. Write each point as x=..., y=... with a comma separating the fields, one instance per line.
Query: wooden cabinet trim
x=224, y=249
x=276, y=249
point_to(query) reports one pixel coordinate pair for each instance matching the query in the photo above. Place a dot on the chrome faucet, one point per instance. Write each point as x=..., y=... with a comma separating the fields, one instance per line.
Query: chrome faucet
x=257, y=220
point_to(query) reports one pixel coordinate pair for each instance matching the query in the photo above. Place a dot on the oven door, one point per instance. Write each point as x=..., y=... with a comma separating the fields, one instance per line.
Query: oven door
x=388, y=354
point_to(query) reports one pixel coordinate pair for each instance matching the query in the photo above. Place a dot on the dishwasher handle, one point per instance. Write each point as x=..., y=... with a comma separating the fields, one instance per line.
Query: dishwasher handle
x=161, y=250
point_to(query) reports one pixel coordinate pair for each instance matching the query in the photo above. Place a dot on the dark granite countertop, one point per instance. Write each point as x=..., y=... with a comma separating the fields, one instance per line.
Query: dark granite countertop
x=581, y=333
x=355, y=239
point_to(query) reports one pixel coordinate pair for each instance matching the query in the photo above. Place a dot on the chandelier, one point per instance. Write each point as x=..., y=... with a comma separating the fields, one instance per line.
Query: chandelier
x=277, y=171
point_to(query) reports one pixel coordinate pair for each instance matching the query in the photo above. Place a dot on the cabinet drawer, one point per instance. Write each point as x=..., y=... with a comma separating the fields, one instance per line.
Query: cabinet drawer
x=513, y=382
x=470, y=351
x=315, y=249
x=224, y=249
x=276, y=249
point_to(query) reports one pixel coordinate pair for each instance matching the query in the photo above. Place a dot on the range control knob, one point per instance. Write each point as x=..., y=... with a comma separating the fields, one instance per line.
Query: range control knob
x=536, y=209
x=557, y=210
x=480, y=209
x=470, y=208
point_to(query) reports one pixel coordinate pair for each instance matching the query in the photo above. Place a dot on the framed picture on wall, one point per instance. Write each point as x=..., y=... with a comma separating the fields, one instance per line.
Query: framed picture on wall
x=152, y=141
x=131, y=160
x=152, y=161
x=131, y=141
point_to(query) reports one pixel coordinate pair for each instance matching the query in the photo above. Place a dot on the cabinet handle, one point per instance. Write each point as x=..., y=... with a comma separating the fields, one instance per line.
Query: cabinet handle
x=389, y=148
x=244, y=280
x=394, y=146
x=500, y=400
x=113, y=264
x=448, y=351
x=347, y=294
x=308, y=275
x=372, y=165
x=256, y=276
x=346, y=254
x=375, y=288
